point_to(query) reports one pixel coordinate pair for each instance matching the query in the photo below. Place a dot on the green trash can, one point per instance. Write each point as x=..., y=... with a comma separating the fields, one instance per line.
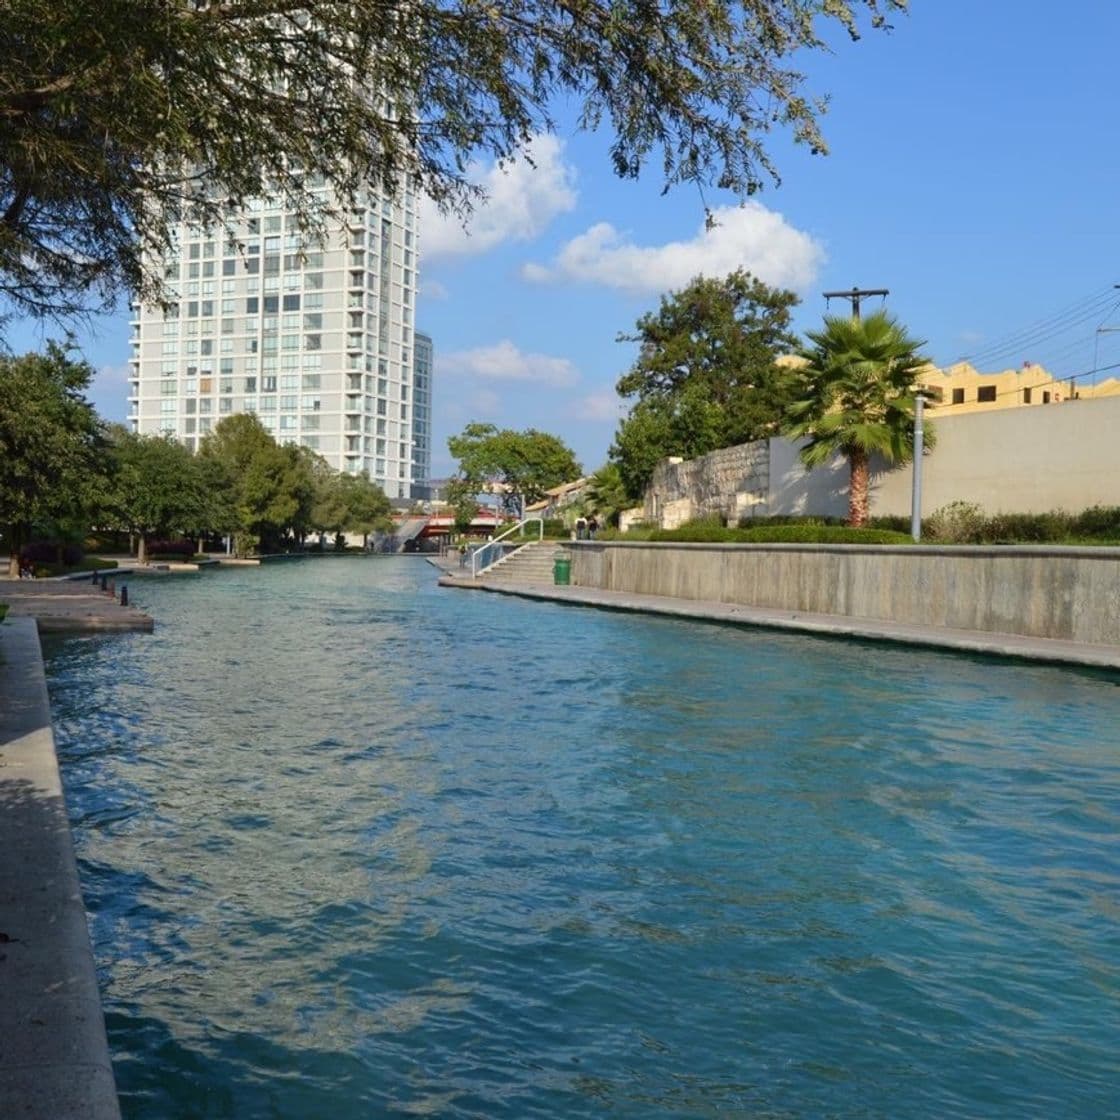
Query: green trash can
x=561, y=569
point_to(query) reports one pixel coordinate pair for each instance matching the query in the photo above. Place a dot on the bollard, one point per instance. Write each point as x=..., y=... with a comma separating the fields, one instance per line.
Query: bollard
x=104, y=582
x=124, y=595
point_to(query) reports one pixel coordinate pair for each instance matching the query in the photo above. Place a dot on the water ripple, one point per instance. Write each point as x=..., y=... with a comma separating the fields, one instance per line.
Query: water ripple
x=355, y=846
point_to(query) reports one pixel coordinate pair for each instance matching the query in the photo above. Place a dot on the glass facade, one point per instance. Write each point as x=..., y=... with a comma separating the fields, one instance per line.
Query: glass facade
x=313, y=336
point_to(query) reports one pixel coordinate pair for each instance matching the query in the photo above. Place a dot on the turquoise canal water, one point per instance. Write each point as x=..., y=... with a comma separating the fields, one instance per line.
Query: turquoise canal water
x=355, y=846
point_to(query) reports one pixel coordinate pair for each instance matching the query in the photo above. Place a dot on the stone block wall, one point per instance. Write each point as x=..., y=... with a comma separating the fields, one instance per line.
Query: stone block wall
x=731, y=483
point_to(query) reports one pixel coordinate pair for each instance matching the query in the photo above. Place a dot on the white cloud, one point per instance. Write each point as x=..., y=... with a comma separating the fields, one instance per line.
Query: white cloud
x=505, y=362
x=521, y=200
x=433, y=289
x=748, y=236
x=597, y=408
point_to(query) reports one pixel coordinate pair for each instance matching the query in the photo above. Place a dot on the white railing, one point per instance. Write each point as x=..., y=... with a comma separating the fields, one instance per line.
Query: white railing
x=486, y=556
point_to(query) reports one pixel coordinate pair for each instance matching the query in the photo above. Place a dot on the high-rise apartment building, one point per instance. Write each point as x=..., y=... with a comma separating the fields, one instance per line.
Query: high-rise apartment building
x=421, y=415
x=316, y=339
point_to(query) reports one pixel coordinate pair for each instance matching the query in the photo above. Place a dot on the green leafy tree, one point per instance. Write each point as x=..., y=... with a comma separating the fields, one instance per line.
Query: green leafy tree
x=272, y=486
x=329, y=507
x=115, y=114
x=706, y=375
x=856, y=393
x=367, y=507
x=50, y=437
x=216, y=510
x=155, y=486
x=639, y=445
x=462, y=497
x=520, y=466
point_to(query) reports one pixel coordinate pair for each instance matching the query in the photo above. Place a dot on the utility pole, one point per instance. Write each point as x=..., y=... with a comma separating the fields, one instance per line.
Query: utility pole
x=855, y=295
x=916, y=473
x=1102, y=329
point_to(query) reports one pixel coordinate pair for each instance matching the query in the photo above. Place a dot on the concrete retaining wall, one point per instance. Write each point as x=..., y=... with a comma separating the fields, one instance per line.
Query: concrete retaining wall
x=54, y=1058
x=1063, y=593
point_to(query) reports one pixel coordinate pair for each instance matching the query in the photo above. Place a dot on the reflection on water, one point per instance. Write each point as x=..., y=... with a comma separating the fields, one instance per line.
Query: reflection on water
x=356, y=846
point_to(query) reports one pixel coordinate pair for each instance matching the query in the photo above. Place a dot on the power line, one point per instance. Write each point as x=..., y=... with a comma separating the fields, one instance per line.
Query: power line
x=1048, y=323
x=1060, y=323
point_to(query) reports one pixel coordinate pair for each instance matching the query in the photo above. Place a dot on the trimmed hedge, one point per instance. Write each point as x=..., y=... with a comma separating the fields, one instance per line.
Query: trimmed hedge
x=966, y=523
x=805, y=532
x=956, y=523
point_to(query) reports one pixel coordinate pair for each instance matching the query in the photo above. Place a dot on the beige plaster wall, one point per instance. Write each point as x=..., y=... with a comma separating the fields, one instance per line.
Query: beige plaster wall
x=1026, y=460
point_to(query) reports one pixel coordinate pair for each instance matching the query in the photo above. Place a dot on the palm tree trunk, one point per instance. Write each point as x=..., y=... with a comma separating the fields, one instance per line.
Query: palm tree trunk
x=857, y=489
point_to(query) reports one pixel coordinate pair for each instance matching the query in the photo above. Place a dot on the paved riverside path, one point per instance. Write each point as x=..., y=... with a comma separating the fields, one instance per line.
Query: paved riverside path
x=871, y=629
x=71, y=605
x=54, y=1057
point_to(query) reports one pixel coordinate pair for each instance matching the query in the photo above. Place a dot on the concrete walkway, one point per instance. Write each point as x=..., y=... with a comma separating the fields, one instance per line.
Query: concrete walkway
x=967, y=641
x=74, y=607
x=54, y=1057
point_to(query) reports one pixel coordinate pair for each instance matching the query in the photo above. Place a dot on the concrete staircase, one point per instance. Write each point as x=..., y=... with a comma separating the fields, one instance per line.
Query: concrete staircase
x=529, y=565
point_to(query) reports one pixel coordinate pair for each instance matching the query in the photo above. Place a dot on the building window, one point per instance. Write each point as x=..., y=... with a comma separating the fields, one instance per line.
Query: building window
x=1045, y=398
x=1026, y=396
x=986, y=393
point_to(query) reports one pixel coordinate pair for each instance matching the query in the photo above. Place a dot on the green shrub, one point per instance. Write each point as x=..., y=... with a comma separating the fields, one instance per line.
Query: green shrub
x=747, y=522
x=1097, y=521
x=1026, y=528
x=41, y=570
x=897, y=524
x=710, y=532
x=956, y=523
x=820, y=534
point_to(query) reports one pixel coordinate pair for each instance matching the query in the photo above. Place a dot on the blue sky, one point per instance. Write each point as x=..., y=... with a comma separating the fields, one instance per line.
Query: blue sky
x=973, y=172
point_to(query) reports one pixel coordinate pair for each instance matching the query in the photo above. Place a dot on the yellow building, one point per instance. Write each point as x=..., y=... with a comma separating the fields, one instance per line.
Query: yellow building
x=961, y=388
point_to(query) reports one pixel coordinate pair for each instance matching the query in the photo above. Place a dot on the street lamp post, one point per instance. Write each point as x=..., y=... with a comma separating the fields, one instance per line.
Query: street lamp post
x=916, y=493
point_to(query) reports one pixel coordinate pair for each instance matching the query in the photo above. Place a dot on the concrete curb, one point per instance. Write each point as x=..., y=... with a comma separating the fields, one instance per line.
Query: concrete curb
x=54, y=1056
x=1047, y=650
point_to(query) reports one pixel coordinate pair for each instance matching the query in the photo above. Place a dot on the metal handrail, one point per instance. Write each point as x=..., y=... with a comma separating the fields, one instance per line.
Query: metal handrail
x=476, y=571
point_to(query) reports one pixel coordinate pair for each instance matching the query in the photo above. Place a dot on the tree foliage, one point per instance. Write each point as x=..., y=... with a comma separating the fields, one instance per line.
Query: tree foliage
x=706, y=374
x=856, y=393
x=155, y=487
x=271, y=487
x=520, y=466
x=49, y=441
x=345, y=503
x=116, y=113
x=277, y=494
x=462, y=497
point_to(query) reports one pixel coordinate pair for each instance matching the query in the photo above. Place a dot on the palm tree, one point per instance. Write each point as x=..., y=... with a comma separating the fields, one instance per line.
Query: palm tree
x=856, y=398
x=605, y=495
